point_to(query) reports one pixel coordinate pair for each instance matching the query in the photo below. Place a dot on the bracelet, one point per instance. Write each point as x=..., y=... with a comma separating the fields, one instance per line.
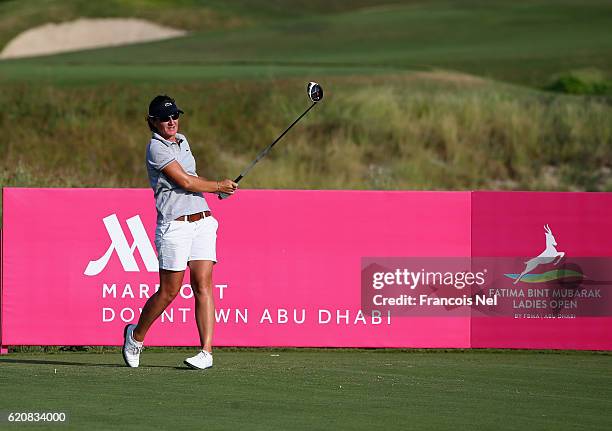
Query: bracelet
x=218, y=186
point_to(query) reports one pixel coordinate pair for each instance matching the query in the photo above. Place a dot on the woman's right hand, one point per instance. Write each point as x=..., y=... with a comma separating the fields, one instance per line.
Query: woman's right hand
x=226, y=186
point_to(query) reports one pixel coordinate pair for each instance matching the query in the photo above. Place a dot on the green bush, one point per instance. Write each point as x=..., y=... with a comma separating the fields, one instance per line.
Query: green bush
x=586, y=82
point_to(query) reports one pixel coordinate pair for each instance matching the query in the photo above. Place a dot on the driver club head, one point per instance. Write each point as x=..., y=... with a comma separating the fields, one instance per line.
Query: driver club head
x=315, y=92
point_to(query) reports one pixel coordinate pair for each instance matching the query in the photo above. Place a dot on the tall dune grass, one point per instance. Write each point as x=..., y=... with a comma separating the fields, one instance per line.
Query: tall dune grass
x=420, y=131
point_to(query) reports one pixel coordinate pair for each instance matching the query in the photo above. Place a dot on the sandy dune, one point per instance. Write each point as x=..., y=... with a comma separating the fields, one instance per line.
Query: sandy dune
x=85, y=34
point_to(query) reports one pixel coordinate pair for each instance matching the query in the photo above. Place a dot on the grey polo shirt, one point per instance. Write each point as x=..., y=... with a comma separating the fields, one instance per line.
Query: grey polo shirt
x=172, y=201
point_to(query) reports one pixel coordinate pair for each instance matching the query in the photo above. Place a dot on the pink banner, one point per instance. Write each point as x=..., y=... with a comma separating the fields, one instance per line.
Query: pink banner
x=514, y=224
x=79, y=263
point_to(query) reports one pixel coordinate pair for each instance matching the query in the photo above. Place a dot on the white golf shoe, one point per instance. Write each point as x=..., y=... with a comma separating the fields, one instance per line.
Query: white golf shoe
x=131, y=347
x=201, y=361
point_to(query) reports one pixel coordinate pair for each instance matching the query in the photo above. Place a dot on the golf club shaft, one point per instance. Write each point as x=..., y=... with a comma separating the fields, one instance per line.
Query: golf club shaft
x=266, y=150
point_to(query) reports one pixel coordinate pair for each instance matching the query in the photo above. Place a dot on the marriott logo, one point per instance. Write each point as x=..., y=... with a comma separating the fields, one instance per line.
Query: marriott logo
x=124, y=250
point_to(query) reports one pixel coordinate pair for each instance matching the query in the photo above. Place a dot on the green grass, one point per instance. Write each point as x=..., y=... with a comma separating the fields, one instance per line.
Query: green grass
x=317, y=389
x=194, y=15
x=92, y=75
x=522, y=42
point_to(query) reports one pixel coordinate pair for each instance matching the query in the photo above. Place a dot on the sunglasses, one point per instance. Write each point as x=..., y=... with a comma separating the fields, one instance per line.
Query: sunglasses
x=167, y=117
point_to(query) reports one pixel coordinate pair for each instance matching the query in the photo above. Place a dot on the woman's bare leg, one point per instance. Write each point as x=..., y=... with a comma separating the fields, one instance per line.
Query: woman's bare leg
x=169, y=286
x=201, y=283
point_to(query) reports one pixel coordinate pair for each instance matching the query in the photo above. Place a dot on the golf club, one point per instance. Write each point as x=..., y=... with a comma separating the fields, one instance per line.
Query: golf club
x=315, y=94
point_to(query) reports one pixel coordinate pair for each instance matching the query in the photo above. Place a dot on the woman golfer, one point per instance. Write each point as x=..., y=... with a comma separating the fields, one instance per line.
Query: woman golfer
x=186, y=231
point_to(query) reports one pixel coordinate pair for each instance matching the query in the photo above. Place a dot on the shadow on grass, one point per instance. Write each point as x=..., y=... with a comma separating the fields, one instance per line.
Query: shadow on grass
x=79, y=364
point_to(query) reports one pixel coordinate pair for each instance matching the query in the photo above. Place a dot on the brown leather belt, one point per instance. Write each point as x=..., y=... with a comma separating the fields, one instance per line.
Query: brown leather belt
x=194, y=217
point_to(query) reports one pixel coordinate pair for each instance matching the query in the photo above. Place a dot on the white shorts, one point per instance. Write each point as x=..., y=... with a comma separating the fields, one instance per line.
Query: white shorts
x=179, y=242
